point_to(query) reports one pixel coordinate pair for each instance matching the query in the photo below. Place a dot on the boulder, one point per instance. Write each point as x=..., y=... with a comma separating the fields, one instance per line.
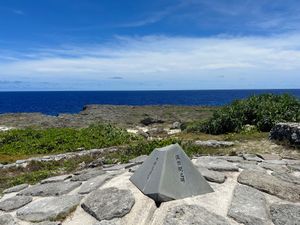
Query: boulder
x=50, y=189
x=192, y=214
x=286, y=132
x=149, y=120
x=270, y=184
x=249, y=206
x=285, y=214
x=51, y=208
x=15, y=202
x=109, y=203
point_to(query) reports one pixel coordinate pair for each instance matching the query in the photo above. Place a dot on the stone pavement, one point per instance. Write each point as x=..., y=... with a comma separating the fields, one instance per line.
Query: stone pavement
x=247, y=190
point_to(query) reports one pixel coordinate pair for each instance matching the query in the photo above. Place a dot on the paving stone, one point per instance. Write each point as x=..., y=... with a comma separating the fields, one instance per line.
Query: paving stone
x=287, y=177
x=109, y=203
x=87, y=174
x=212, y=176
x=15, y=188
x=270, y=184
x=251, y=166
x=108, y=222
x=277, y=162
x=231, y=158
x=7, y=219
x=15, y=202
x=274, y=167
x=214, y=143
x=270, y=156
x=192, y=214
x=294, y=167
x=213, y=163
x=285, y=214
x=94, y=183
x=249, y=206
x=48, y=223
x=119, y=167
x=56, y=179
x=291, y=161
x=252, y=157
x=49, y=209
x=50, y=189
x=139, y=160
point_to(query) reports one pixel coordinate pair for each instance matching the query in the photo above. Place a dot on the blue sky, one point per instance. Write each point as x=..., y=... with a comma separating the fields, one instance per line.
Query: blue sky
x=140, y=45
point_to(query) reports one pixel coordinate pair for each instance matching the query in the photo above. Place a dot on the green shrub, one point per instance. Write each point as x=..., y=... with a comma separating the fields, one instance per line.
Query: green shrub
x=262, y=111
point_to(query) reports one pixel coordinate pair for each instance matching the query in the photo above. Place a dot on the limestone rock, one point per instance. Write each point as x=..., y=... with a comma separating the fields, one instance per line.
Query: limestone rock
x=212, y=176
x=14, y=203
x=51, y=208
x=248, y=206
x=287, y=177
x=109, y=203
x=56, y=179
x=214, y=143
x=139, y=160
x=15, y=188
x=94, y=183
x=252, y=157
x=213, y=163
x=7, y=219
x=274, y=167
x=270, y=184
x=87, y=174
x=192, y=214
x=285, y=214
x=286, y=132
x=50, y=189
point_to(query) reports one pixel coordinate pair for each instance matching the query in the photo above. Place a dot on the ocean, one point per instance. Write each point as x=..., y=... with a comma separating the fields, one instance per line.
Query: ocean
x=55, y=102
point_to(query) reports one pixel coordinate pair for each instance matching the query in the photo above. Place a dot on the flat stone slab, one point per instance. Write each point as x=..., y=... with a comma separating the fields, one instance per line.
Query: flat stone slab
x=192, y=214
x=139, y=160
x=48, y=223
x=231, y=158
x=212, y=176
x=109, y=203
x=274, y=167
x=214, y=143
x=294, y=167
x=119, y=167
x=216, y=164
x=94, y=183
x=287, y=177
x=50, y=189
x=7, y=219
x=15, y=188
x=270, y=184
x=49, y=209
x=252, y=157
x=56, y=179
x=250, y=166
x=285, y=214
x=87, y=174
x=249, y=206
x=13, y=203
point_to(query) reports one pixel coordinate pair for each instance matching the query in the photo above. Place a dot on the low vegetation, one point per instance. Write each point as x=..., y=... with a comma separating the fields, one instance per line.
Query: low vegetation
x=262, y=112
x=29, y=142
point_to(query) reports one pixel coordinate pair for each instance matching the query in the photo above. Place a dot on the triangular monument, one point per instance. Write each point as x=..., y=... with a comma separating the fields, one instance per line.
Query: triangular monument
x=169, y=174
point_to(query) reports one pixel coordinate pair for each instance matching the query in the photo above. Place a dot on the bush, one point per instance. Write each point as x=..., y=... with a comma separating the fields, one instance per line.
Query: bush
x=262, y=111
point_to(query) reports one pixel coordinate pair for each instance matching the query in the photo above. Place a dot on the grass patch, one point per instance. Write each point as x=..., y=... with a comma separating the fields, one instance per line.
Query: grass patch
x=20, y=143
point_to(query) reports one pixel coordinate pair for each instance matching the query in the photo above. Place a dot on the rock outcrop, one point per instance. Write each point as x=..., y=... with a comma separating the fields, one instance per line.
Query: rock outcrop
x=286, y=132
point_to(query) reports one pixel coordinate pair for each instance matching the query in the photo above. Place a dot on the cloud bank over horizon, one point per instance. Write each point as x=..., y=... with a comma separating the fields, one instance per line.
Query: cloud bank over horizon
x=212, y=46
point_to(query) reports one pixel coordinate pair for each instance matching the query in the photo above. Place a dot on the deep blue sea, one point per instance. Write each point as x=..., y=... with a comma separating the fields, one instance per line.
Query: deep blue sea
x=53, y=103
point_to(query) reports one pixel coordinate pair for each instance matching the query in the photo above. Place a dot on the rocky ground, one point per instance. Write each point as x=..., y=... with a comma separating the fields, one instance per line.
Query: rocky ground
x=248, y=189
x=124, y=116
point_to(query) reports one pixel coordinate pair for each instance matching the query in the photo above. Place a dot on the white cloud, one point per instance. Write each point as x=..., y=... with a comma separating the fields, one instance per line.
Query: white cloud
x=167, y=59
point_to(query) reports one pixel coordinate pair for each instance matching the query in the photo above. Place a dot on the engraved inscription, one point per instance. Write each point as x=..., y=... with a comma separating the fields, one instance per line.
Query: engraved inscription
x=152, y=168
x=180, y=169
